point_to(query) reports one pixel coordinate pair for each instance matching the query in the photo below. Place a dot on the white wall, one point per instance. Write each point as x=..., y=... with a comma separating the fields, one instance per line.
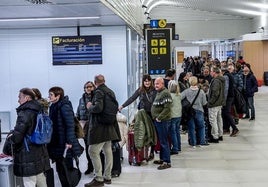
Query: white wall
x=188, y=51
x=26, y=61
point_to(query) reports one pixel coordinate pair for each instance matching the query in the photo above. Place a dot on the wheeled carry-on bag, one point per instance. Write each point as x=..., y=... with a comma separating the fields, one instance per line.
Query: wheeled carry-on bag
x=135, y=156
x=116, y=170
x=7, y=178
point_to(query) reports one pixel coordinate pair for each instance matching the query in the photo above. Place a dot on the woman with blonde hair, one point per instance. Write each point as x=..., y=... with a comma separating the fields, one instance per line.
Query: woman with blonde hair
x=174, y=126
x=196, y=125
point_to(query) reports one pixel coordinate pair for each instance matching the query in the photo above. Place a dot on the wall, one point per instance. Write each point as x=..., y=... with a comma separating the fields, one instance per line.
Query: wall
x=26, y=61
x=255, y=53
x=188, y=51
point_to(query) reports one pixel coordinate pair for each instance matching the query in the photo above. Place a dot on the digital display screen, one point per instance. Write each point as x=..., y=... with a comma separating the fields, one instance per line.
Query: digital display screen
x=77, y=50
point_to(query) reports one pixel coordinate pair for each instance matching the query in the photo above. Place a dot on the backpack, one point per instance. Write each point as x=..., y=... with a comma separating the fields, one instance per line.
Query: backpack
x=43, y=129
x=108, y=115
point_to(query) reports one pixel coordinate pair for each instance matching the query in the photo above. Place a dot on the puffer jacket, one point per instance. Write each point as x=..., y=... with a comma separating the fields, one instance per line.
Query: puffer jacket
x=250, y=85
x=62, y=116
x=36, y=160
x=97, y=132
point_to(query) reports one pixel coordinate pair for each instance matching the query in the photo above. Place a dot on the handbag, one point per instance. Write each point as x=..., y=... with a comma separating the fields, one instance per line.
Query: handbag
x=187, y=108
x=73, y=175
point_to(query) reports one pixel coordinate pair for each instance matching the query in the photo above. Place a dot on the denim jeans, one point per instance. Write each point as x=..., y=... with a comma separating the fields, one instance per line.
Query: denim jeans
x=174, y=132
x=196, y=128
x=250, y=105
x=162, y=131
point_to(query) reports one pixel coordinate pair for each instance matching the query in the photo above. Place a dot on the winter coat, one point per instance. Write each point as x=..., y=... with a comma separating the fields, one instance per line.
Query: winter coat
x=146, y=99
x=35, y=161
x=145, y=134
x=250, y=85
x=62, y=115
x=98, y=132
x=82, y=111
x=230, y=92
x=216, y=92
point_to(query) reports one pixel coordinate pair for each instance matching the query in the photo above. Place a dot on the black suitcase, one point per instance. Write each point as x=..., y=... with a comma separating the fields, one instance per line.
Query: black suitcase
x=116, y=170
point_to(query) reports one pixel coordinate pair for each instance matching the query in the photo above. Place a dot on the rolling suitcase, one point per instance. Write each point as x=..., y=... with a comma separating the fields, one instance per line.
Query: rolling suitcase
x=135, y=156
x=116, y=170
x=7, y=178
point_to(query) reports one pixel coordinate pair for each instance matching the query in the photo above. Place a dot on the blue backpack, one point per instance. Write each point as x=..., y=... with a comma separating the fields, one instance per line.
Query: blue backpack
x=43, y=129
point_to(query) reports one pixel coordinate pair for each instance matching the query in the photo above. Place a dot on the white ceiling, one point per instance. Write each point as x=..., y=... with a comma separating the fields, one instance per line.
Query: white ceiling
x=174, y=11
x=21, y=9
x=234, y=8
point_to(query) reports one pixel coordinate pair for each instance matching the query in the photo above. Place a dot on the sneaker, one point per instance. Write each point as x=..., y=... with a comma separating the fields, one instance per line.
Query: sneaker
x=220, y=138
x=94, y=183
x=164, y=166
x=245, y=116
x=234, y=133
x=158, y=162
x=107, y=181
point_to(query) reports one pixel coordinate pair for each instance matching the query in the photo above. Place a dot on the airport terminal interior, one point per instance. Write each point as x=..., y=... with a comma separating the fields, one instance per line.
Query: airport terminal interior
x=240, y=161
x=30, y=29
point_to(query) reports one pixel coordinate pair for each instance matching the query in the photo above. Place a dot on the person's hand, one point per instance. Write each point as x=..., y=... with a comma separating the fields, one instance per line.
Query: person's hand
x=156, y=119
x=89, y=104
x=68, y=146
x=120, y=108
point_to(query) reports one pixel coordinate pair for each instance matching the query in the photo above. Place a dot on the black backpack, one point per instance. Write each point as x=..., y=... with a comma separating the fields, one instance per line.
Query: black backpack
x=110, y=109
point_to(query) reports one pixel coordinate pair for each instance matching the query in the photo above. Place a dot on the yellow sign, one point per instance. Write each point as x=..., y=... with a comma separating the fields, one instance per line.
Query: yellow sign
x=154, y=42
x=162, y=23
x=162, y=42
x=56, y=40
x=154, y=51
x=163, y=50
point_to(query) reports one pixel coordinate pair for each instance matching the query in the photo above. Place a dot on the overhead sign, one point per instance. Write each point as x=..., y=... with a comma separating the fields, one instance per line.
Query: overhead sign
x=158, y=23
x=158, y=50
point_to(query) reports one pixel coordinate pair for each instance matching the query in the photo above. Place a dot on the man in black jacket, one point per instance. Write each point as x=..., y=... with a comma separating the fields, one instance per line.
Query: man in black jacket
x=100, y=135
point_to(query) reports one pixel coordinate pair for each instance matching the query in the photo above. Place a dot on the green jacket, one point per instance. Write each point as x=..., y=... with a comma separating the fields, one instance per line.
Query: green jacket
x=145, y=134
x=161, y=108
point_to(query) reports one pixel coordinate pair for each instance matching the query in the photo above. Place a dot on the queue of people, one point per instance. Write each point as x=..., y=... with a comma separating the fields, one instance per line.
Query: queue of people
x=210, y=89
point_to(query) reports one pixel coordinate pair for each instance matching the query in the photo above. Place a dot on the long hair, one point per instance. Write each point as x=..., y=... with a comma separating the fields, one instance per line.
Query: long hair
x=144, y=78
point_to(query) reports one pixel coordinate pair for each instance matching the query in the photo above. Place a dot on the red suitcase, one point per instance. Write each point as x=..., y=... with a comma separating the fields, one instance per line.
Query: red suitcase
x=136, y=157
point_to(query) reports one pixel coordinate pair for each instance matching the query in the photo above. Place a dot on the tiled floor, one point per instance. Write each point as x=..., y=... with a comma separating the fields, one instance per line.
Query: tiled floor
x=240, y=161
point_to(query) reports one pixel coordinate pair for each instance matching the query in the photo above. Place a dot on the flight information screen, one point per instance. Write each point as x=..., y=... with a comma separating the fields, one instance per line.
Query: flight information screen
x=77, y=50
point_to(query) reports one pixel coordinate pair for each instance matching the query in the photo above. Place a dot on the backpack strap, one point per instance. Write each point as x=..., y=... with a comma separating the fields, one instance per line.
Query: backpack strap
x=195, y=97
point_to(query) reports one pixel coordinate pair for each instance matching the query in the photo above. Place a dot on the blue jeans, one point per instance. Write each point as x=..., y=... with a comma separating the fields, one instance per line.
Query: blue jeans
x=196, y=128
x=250, y=105
x=162, y=131
x=174, y=132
